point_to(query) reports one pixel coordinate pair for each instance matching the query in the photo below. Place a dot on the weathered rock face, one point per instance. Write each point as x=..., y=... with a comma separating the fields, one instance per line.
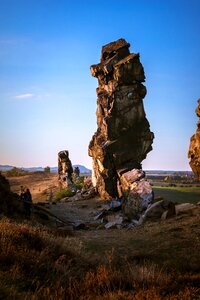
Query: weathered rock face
x=123, y=137
x=194, y=150
x=65, y=169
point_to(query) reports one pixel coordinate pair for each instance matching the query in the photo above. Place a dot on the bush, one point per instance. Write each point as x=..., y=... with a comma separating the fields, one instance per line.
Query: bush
x=79, y=182
x=78, y=186
x=81, y=179
x=64, y=193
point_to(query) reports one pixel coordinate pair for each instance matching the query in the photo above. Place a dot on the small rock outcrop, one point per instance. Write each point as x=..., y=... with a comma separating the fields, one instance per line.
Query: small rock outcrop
x=194, y=149
x=10, y=204
x=123, y=137
x=65, y=169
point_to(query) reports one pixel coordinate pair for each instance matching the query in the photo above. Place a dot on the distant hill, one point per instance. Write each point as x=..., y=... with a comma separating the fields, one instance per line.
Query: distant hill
x=5, y=167
x=83, y=169
x=31, y=169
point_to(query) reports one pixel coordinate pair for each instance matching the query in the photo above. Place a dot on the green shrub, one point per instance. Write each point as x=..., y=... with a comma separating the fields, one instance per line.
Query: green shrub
x=64, y=193
x=79, y=186
x=81, y=179
x=79, y=182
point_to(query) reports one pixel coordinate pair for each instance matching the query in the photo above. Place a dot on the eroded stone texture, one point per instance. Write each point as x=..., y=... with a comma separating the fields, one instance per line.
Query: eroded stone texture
x=194, y=150
x=65, y=169
x=123, y=136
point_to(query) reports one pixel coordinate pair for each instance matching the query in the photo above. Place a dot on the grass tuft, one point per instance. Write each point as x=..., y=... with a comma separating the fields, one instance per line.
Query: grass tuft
x=63, y=194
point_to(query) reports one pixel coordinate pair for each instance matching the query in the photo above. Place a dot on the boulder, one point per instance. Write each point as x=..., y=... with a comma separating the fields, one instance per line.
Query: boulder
x=137, y=199
x=185, y=208
x=162, y=209
x=113, y=221
x=129, y=179
x=76, y=197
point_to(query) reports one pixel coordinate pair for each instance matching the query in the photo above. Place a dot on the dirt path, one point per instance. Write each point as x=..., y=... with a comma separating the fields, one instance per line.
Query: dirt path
x=79, y=211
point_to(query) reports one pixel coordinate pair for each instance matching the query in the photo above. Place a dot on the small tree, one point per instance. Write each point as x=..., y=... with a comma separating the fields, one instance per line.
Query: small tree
x=47, y=170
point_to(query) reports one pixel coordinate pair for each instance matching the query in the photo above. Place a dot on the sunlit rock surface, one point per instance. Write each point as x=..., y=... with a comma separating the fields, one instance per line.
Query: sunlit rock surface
x=123, y=137
x=194, y=149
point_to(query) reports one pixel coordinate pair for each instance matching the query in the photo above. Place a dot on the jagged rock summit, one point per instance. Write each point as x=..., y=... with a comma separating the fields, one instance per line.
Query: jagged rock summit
x=194, y=149
x=123, y=137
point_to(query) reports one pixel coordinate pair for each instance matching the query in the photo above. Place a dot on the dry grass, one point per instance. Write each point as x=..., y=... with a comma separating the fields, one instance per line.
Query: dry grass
x=39, y=185
x=36, y=263
x=156, y=261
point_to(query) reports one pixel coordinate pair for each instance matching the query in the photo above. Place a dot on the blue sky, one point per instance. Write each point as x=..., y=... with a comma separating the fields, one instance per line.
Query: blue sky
x=48, y=96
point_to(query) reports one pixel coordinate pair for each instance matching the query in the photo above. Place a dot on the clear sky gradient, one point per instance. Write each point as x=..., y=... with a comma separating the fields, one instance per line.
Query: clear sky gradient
x=48, y=96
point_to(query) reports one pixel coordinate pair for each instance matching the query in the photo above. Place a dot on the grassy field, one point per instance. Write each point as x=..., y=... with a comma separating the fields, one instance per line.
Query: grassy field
x=178, y=194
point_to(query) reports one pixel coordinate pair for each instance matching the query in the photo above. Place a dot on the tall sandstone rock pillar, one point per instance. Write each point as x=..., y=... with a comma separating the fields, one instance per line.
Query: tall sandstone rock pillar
x=194, y=149
x=65, y=169
x=123, y=137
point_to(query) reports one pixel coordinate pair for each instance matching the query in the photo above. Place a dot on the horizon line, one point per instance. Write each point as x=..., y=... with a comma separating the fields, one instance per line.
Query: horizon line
x=166, y=170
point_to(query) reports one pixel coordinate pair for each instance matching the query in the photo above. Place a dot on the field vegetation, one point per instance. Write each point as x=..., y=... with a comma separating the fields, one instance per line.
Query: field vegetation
x=178, y=194
x=15, y=172
x=156, y=261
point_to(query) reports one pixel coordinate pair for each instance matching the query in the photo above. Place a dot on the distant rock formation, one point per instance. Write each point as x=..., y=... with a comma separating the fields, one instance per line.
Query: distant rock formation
x=65, y=169
x=194, y=149
x=123, y=136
